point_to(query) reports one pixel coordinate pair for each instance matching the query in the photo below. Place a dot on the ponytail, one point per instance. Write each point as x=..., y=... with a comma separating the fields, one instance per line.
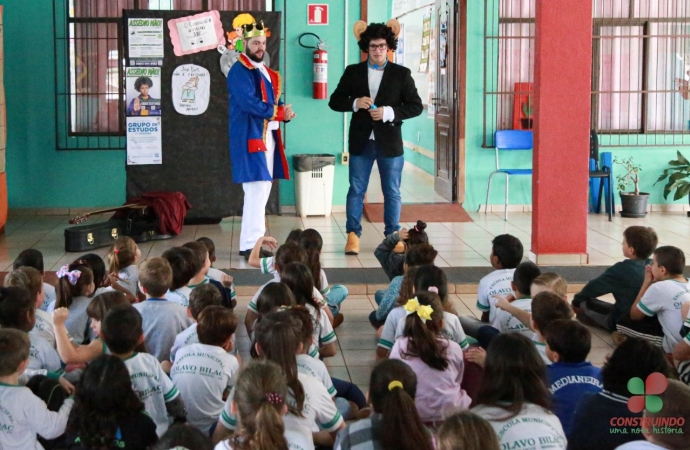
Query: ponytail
x=423, y=338
x=72, y=281
x=279, y=343
x=393, y=386
x=312, y=243
x=122, y=254
x=298, y=278
x=260, y=396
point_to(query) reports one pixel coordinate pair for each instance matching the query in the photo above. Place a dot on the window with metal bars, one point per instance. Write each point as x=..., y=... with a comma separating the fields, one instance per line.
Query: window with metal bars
x=89, y=65
x=640, y=70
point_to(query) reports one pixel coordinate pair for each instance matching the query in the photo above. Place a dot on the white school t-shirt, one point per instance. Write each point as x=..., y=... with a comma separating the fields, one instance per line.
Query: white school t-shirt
x=317, y=369
x=153, y=387
x=129, y=277
x=295, y=439
x=23, y=415
x=215, y=274
x=202, y=373
x=43, y=356
x=186, y=337
x=323, y=333
x=318, y=409
x=44, y=327
x=541, y=348
x=451, y=330
x=77, y=322
x=50, y=296
x=176, y=297
x=640, y=445
x=495, y=283
x=534, y=427
x=664, y=299
x=390, y=327
x=508, y=323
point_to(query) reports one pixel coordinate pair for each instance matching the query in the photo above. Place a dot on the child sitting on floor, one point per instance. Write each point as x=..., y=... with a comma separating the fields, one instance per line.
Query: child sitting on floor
x=122, y=262
x=122, y=332
x=663, y=292
x=24, y=415
x=213, y=273
x=506, y=254
x=31, y=279
x=391, y=252
x=34, y=258
x=162, y=319
x=75, y=287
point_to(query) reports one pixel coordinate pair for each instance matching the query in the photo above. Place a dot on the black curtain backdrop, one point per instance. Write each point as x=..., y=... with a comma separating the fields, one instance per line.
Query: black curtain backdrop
x=196, y=154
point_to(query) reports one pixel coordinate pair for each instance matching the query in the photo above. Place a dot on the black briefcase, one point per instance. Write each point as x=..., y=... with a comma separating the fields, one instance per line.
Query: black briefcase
x=83, y=238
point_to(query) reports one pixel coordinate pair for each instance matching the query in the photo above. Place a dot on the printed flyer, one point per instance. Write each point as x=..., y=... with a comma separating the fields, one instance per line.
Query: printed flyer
x=144, y=143
x=143, y=91
x=145, y=41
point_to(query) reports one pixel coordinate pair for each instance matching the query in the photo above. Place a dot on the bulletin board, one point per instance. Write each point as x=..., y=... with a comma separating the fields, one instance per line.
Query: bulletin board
x=195, y=147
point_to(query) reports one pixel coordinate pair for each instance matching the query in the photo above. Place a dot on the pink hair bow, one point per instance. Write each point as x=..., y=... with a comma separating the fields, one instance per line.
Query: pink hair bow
x=72, y=276
x=432, y=289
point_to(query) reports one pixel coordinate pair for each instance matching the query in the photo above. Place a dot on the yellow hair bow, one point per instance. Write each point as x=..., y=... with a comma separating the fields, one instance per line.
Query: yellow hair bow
x=423, y=311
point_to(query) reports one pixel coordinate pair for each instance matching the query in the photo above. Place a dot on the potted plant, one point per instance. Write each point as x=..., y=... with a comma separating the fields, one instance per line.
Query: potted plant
x=678, y=178
x=633, y=204
x=527, y=110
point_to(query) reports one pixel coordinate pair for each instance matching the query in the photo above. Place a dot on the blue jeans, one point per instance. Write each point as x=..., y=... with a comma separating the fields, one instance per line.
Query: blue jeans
x=335, y=297
x=390, y=170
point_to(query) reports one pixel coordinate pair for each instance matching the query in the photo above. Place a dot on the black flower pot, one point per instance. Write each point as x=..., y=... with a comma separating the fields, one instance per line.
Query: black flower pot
x=632, y=205
x=527, y=124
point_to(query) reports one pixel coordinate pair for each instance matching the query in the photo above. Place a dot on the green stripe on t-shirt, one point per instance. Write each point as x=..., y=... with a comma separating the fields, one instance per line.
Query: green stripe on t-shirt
x=264, y=265
x=331, y=424
x=385, y=344
x=464, y=344
x=332, y=391
x=483, y=307
x=644, y=309
x=228, y=419
x=330, y=337
x=172, y=393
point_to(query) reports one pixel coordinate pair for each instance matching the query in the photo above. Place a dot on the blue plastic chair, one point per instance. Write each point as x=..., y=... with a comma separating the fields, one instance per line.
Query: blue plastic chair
x=509, y=140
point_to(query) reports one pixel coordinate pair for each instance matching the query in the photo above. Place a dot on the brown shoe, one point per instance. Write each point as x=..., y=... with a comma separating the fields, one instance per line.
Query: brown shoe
x=352, y=246
x=337, y=320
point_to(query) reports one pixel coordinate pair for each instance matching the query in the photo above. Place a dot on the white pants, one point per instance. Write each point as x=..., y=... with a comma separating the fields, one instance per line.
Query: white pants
x=256, y=195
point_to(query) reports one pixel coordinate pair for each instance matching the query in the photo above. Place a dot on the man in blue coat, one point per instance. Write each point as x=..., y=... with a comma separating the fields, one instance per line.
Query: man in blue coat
x=256, y=148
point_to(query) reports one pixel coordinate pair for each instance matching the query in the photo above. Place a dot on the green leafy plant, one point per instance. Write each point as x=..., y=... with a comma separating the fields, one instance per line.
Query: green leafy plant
x=631, y=176
x=527, y=108
x=678, y=177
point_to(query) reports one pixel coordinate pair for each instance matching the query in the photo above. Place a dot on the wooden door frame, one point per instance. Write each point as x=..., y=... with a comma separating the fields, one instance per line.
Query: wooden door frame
x=460, y=82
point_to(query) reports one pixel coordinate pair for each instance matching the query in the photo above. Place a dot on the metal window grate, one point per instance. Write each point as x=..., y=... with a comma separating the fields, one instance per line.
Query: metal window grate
x=89, y=65
x=640, y=70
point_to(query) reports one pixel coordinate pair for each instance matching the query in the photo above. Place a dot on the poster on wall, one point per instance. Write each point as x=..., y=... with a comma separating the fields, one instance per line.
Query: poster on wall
x=143, y=91
x=197, y=33
x=144, y=143
x=426, y=41
x=145, y=42
x=191, y=89
x=400, y=49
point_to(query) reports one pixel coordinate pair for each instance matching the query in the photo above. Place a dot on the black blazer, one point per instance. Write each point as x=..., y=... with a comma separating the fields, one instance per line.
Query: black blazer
x=397, y=90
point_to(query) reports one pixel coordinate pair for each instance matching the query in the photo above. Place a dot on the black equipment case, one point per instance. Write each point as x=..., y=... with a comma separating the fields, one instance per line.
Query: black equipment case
x=83, y=238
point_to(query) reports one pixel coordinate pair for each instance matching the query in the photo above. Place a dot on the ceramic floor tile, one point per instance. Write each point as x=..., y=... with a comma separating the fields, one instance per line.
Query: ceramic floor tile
x=359, y=358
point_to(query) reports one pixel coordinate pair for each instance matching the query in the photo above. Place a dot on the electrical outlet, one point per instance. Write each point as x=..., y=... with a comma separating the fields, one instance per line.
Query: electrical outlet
x=345, y=158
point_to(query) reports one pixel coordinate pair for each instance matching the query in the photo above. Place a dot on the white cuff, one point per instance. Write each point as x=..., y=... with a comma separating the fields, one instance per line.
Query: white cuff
x=388, y=114
x=354, y=106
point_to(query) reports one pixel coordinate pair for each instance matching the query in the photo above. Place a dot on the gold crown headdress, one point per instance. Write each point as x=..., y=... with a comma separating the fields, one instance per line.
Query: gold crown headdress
x=252, y=30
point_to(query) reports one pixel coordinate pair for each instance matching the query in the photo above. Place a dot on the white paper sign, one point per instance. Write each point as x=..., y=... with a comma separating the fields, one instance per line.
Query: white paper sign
x=197, y=33
x=191, y=89
x=144, y=143
x=145, y=38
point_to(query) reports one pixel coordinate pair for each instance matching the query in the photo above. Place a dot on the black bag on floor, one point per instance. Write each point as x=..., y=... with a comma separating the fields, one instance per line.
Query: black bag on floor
x=83, y=238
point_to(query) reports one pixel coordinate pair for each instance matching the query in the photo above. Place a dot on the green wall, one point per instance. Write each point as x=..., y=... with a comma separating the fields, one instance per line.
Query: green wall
x=37, y=174
x=420, y=131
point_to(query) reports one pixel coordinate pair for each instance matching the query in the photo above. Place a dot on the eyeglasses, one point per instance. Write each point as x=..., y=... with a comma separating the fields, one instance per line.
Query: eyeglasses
x=373, y=47
x=253, y=26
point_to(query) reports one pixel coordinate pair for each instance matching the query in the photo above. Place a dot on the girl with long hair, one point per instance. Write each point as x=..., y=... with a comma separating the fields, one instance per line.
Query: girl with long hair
x=122, y=263
x=74, y=288
x=395, y=423
x=107, y=413
x=437, y=361
x=514, y=397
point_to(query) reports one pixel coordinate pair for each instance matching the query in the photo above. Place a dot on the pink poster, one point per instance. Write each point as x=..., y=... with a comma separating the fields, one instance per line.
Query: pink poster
x=196, y=33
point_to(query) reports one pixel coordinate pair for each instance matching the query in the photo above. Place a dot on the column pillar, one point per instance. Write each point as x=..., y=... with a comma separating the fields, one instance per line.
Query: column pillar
x=562, y=76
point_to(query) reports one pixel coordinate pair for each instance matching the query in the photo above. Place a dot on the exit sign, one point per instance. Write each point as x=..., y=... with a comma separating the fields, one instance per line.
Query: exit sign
x=317, y=14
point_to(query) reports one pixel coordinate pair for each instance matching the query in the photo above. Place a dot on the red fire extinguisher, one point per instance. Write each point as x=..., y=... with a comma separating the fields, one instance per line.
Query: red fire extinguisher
x=320, y=68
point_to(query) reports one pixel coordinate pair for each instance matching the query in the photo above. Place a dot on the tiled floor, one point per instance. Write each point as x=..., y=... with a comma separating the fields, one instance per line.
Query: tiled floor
x=459, y=244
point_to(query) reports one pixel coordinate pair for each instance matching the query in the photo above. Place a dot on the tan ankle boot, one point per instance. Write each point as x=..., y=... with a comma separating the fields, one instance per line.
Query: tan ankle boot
x=352, y=246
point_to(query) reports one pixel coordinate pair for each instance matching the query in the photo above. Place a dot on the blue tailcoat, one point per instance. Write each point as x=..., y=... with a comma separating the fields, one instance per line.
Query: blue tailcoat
x=252, y=105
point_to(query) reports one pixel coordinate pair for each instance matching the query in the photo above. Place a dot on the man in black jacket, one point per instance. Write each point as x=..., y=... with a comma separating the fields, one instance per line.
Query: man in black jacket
x=381, y=94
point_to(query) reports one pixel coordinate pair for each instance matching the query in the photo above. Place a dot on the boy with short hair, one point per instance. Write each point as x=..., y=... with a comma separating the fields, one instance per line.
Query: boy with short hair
x=663, y=293
x=568, y=343
x=202, y=264
x=213, y=273
x=34, y=258
x=22, y=414
x=506, y=254
x=181, y=261
x=547, y=307
x=202, y=296
x=31, y=279
x=204, y=370
x=162, y=319
x=623, y=280
x=503, y=321
x=122, y=332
